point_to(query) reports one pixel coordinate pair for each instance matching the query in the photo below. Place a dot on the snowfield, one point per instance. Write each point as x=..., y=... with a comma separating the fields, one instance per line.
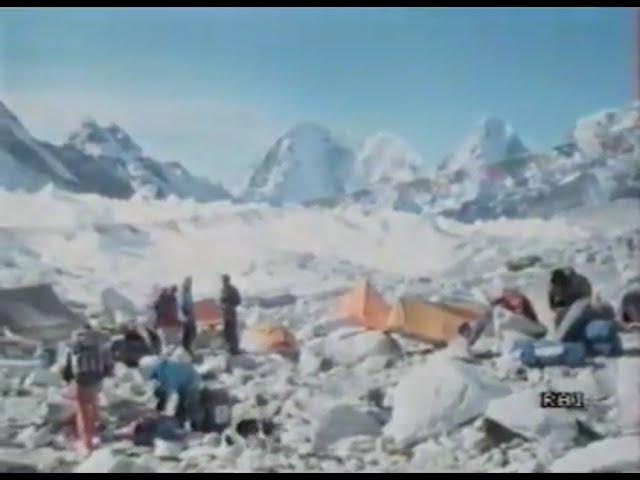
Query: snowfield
x=83, y=244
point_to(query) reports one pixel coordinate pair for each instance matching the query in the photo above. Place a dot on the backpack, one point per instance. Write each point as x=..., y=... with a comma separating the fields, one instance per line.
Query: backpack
x=87, y=361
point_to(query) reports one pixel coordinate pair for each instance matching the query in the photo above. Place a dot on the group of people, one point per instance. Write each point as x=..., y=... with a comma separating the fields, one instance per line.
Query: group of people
x=178, y=386
x=584, y=324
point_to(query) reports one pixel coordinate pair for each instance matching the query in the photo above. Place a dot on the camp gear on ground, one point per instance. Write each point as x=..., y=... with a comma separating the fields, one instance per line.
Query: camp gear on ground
x=573, y=322
x=566, y=286
x=543, y=353
x=214, y=414
x=601, y=338
x=268, y=338
x=147, y=429
x=516, y=302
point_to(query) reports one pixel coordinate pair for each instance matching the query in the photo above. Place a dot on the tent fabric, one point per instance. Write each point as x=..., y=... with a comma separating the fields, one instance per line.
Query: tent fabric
x=207, y=313
x=428, y=321
x=266, y=338
x=364, y=305
x=37, y=313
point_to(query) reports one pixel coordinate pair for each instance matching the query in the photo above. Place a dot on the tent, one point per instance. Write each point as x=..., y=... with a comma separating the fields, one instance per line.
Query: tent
x=364, y=305
x=428, y=321
x=207, y=313
x=37, y=313
x=267, y=338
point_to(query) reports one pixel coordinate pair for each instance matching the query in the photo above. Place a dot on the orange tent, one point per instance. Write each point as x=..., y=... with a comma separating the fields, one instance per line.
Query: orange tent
x=207, y=313
x=364, y=305
x=267, y=338
x=428, y=321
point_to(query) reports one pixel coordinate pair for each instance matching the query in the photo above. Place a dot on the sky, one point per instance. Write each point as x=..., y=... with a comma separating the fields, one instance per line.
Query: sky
x=214, y=88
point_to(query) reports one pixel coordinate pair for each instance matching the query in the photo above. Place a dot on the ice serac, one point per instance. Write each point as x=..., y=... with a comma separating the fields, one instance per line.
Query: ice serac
x=306, y=163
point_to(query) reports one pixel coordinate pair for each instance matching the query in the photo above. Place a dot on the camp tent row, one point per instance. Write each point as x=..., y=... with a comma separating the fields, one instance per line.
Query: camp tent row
x=431, y=322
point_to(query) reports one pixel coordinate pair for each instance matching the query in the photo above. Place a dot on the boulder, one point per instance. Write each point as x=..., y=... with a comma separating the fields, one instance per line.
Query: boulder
x=107, y=461
x=43, y=378
x=628, y=395
x=349, y=346
x=167, y=449
x=34, y=437
x=311, y=362
x=523, y=263
x=521, y=413
x=439, y=396
x=343, y=421
x=22, y=410
x=621, y=454
x=115, y=303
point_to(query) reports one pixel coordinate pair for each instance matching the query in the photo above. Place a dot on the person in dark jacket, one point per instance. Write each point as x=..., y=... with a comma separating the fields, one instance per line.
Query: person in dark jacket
x=566, y=287
x=189, y=328
x=230, y=300
x=630, y=309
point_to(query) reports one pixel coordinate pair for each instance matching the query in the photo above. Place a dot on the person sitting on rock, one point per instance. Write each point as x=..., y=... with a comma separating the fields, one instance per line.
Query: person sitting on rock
x=516, y=302
x=177, y=386
x=566, y=286
x=88, y=362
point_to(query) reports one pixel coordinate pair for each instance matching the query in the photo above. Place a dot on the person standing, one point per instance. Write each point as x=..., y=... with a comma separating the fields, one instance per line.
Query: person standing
x=230, y=300
x=189, y=327
x=88, y=362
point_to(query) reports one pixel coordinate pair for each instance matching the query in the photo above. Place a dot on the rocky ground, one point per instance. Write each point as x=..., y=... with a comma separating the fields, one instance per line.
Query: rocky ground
x=362, y=401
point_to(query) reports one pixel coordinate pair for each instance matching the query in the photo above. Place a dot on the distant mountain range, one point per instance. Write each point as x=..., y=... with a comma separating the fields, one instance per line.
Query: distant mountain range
x=489, y=175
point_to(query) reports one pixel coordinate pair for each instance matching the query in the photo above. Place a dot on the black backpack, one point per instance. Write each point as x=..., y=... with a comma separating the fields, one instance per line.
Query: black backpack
x=87, y=361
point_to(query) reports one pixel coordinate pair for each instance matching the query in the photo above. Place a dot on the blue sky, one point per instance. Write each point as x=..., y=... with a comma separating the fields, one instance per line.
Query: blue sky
x=213, y=88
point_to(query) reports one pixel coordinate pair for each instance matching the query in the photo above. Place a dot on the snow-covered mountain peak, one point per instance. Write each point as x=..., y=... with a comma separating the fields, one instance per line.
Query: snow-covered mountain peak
x=110, y=141
x=386, y=158
x=491, y=141
x=306, y=163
